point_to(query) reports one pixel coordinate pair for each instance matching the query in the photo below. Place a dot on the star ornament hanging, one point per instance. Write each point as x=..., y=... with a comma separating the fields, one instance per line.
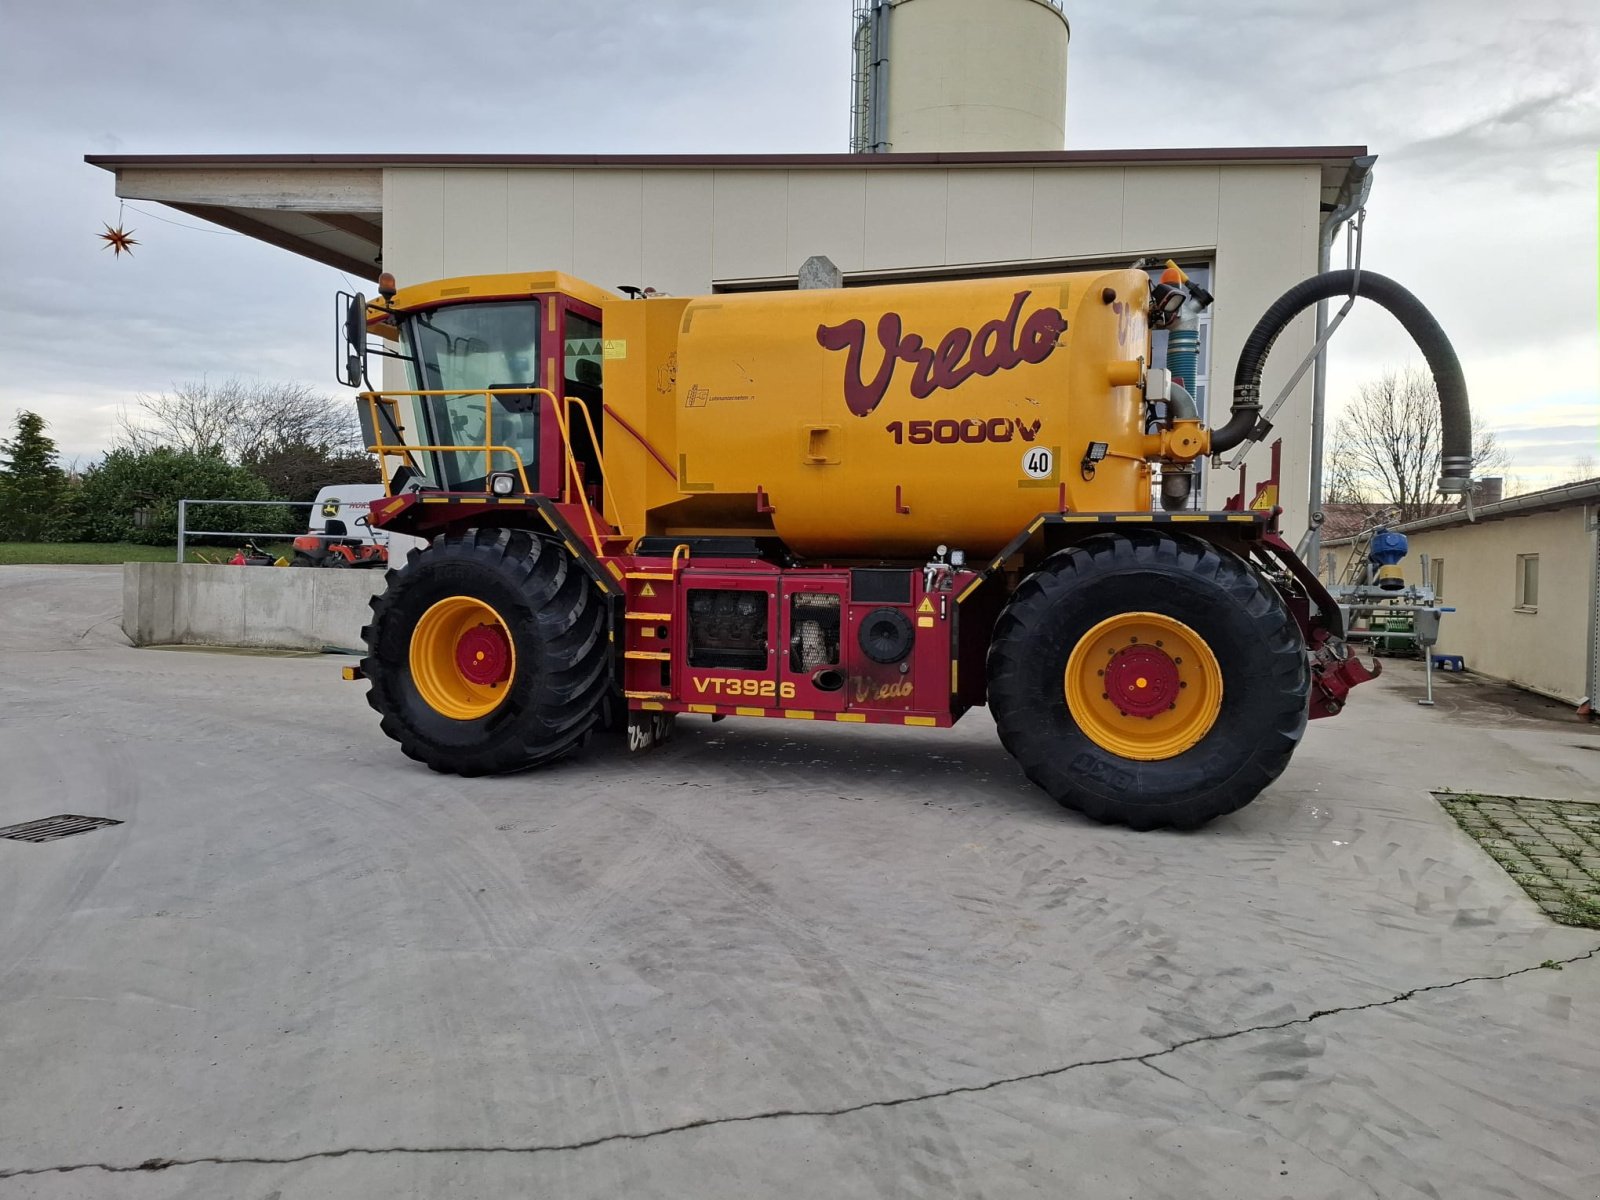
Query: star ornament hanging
x=118, y=241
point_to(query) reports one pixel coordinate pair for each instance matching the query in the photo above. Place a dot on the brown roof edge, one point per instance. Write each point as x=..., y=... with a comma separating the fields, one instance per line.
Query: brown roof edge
x=1192, y=154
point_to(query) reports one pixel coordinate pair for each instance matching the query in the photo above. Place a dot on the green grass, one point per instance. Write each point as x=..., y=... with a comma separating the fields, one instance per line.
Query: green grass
x=30, y=553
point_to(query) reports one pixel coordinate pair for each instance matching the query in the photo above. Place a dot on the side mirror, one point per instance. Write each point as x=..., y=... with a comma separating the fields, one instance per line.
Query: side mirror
x=352, y=370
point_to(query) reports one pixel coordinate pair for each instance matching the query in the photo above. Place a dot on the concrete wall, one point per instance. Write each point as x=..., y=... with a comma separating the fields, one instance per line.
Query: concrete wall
x=1544, y=649
x=196, y=604
x=680, y=229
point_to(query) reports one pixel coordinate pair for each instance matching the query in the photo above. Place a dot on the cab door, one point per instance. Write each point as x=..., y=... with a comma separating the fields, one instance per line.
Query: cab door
x=811, y=673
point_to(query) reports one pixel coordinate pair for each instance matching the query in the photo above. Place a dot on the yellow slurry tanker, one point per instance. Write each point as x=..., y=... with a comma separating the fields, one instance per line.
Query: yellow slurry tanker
x=867, y=505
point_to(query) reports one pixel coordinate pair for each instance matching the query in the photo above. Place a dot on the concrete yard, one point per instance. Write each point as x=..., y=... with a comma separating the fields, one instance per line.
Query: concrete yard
x=770, y=959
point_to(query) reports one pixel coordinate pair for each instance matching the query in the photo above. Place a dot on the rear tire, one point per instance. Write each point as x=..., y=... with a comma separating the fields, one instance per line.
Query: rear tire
x=1144, y=768
x=554, y=628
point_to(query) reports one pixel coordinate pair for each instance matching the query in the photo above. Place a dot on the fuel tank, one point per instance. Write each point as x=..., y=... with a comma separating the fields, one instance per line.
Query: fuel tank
x=881, y=421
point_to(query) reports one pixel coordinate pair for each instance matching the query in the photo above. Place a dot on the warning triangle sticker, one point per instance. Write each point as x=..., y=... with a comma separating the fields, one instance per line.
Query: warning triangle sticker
x=926, y=606
x=647, y=590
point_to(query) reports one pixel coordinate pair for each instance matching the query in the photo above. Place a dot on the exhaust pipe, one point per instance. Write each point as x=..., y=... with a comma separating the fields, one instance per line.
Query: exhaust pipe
x=1455, y=415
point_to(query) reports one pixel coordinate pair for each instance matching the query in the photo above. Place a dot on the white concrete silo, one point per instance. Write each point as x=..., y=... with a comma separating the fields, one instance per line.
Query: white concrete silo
x=951, y=75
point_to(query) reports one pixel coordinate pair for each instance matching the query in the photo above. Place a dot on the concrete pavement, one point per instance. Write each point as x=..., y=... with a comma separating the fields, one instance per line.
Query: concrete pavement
x=764, y=960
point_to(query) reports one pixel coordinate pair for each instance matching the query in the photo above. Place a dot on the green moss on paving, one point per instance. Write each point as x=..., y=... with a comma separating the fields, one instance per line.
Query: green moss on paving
x=1551, y=848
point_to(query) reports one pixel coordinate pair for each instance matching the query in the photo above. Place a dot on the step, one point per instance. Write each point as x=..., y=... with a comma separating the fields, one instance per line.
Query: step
x=644, y=616
x=656, y=655
x=667, y=575
x=647, y=695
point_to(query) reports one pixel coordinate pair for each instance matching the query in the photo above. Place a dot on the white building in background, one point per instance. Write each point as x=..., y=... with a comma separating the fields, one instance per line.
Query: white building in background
x=970, y=101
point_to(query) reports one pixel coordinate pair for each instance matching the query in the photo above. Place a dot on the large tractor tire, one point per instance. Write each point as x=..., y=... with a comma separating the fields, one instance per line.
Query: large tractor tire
x=1148, y=680
x=487, y=653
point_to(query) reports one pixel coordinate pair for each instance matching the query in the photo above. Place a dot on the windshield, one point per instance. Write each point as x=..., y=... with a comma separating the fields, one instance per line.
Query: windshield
x=465, y=347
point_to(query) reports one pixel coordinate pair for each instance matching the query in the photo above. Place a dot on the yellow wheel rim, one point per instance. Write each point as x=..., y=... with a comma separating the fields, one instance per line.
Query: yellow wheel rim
x=462, y=658
x=1143, y=686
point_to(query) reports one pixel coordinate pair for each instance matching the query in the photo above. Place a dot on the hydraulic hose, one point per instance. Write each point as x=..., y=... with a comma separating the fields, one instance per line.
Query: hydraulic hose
x=1455, y=415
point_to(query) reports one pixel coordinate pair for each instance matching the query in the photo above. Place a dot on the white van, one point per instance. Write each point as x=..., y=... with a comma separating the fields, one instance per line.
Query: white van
x=347, y=502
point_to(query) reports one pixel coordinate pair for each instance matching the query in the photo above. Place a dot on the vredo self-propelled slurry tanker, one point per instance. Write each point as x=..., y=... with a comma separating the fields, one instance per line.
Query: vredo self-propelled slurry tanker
x=868, y=505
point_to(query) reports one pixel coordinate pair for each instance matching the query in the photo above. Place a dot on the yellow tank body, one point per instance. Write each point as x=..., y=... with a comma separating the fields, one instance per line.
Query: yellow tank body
x=882, y=421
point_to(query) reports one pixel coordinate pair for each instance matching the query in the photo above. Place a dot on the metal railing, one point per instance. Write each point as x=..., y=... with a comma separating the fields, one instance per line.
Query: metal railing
x=185, y=533
x=572, y=481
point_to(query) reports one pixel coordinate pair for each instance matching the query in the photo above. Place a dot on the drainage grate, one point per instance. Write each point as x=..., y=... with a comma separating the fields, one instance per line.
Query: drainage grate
x=1550, y=847
x=51, y=828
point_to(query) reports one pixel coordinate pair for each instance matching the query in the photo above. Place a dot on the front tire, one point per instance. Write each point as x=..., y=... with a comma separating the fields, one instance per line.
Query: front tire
x=1148, y=680
x=487, y=653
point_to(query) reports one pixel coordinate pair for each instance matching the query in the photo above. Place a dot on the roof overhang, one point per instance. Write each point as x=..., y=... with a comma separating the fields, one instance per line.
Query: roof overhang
x=329, y=207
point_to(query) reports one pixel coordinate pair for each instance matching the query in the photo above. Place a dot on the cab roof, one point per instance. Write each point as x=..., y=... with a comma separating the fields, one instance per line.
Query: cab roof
x=497, y=287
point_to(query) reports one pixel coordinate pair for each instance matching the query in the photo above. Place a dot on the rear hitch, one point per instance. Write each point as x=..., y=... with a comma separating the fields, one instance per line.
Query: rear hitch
x=1334, y=671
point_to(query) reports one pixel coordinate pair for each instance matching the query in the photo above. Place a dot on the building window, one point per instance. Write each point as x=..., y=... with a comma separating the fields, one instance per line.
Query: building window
x=1438, y=579
x=1528, y=582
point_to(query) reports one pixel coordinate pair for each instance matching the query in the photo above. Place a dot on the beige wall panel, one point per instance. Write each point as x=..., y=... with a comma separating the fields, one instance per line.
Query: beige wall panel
x=750, y=215
x=608, y=227
x=827, y=215
x=1267, y=224
x=475, y=220
x=677, y=234
x=1543, y=650
x=1077, y=211
x=905, y=219
x=413, y=222
x=1166, y=207
x=990, y=216
x=540, y=211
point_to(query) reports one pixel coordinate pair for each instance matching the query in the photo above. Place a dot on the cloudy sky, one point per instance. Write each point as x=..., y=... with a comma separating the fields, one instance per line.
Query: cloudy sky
x=1485, y=114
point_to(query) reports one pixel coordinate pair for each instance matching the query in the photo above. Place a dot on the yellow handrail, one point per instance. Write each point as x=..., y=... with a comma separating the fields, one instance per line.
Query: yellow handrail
x=577, y=479
x=614, y=511
x=489, y=449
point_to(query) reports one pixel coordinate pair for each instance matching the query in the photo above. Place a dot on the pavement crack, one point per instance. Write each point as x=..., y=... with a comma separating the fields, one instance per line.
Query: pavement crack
x=1145, y=1059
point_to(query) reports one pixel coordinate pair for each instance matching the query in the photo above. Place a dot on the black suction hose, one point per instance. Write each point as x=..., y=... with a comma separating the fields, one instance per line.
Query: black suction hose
x=1455, y=416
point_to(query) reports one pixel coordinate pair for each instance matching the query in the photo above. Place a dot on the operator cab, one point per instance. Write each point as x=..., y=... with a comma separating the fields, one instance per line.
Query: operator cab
x=476, y=337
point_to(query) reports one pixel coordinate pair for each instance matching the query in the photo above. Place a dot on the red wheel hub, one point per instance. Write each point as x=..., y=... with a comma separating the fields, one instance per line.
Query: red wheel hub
x=483, y=655
x=1141, y=681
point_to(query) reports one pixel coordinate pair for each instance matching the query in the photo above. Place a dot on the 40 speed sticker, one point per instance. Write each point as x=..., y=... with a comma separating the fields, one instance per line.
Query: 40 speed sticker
x=1037, y=463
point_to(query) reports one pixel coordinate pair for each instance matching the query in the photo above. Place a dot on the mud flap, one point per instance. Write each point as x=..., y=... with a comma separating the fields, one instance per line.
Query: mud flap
x=647, y=729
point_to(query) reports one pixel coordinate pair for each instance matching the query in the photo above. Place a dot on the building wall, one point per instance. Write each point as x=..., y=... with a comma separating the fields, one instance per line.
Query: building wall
x=1546, y=650
x=682, y=229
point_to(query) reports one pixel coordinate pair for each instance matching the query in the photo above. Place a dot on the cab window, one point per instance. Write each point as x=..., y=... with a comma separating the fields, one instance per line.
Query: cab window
x=467, y=347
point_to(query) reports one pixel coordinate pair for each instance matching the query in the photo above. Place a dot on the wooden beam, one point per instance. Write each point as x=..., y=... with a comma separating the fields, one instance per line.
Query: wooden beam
x=281, y=238
x=367, y=231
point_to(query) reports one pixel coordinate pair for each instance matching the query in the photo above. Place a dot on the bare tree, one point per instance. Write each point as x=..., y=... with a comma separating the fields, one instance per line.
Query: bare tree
x=239, y=420
x=1387, y=443
x=1583, y=468
x=1341, y=478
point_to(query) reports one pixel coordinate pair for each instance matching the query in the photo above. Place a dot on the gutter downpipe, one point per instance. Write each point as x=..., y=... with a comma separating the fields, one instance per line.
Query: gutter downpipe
x=1352, y=199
